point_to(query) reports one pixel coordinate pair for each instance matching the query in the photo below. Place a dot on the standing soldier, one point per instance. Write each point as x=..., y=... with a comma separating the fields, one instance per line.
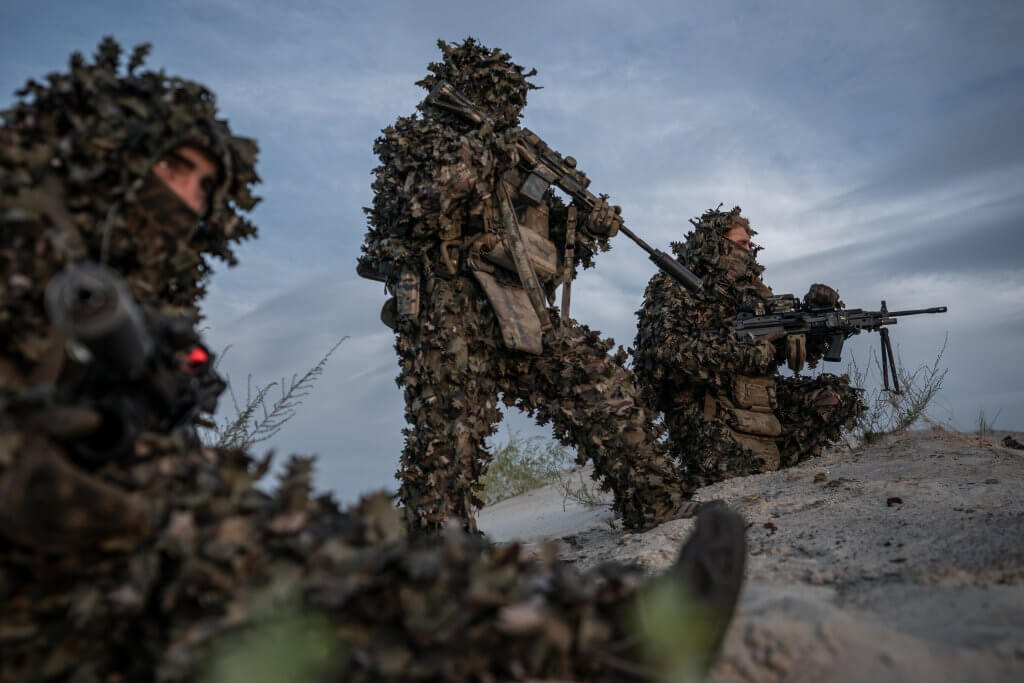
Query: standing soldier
x=472, y=243
x=727, y=408
x=127, y=552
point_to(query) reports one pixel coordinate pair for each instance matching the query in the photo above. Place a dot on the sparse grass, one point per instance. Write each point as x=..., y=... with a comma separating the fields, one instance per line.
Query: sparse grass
x=575, y=487
x=256, y=420
x=985, y=425
x=522, y=464
x=889, y=412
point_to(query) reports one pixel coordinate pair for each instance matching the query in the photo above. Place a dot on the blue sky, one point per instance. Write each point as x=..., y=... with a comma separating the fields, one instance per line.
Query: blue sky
x=876, y=146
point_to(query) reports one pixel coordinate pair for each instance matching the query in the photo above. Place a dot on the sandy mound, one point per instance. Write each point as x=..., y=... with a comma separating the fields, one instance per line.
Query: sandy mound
x=899, y=561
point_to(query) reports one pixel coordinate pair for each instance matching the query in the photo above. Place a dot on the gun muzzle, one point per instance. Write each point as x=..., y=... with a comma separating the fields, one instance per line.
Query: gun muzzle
x=94, y=306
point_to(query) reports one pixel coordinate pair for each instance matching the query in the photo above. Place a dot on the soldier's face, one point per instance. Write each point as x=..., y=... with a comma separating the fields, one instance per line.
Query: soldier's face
x=739, y=236
x=191, y=174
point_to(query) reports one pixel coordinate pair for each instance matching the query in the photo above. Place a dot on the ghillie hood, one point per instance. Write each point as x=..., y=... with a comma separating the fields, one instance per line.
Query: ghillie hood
x=75, y=152
x=707, y=252
x=488, y=77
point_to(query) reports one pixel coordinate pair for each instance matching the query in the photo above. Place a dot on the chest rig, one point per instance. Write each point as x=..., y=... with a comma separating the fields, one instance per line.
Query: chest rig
x=516, y=263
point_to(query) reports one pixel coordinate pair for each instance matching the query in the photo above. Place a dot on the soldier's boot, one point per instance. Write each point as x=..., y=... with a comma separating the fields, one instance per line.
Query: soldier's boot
x=711, y=565
x=653, y=493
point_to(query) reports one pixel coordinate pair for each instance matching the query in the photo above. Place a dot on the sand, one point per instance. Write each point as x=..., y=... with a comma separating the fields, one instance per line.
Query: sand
x=902, y=560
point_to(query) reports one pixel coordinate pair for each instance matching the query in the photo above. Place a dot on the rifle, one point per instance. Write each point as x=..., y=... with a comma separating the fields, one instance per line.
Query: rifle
x=546, y=167
x=133, y=369
x=787, y=315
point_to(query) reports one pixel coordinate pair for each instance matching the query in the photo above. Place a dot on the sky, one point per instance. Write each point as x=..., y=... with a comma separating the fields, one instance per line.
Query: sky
x=875, y=146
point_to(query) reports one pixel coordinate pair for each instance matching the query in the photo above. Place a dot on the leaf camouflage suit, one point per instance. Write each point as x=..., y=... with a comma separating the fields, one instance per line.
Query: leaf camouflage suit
x=128, y=551
x=473, y=313
x=728, y=410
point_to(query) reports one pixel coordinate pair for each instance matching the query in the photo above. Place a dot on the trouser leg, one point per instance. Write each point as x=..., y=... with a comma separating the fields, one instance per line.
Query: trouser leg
x=814, y=412
x=450, y=406
x=593, y=403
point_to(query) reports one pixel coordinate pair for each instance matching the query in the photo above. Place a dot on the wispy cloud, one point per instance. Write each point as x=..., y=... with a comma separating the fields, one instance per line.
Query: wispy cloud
x=874, y=146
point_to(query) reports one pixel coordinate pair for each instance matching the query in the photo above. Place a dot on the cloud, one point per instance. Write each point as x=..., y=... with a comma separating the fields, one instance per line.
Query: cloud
x=874, y=147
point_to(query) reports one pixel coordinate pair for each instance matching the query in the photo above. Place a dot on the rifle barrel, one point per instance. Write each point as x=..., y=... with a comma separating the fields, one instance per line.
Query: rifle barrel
x=918, y=311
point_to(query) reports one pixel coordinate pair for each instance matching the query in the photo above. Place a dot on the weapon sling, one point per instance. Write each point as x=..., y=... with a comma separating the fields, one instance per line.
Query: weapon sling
x=570, y=256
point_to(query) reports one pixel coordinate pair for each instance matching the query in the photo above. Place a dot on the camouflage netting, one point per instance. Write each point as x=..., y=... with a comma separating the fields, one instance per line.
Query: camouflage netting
x=486, y=76
x=728, y=410
x=434, y=210
x=810, y=425
x=86, y=140
x=230, y=556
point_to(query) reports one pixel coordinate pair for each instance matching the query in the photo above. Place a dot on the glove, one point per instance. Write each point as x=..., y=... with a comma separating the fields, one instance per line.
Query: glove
x=822, y=296
x=604, y=220
x=763, y=355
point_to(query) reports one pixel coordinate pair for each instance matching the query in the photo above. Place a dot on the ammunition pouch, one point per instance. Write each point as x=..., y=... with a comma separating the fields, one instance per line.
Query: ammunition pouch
x=541, y=251
x=407, y=295
x=763, y=449
x=754, y=393
x=518, y=321
x=494, y=267
x=755, y=426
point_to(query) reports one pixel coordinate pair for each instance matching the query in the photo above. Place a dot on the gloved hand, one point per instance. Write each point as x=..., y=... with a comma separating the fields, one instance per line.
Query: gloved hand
x=763, y=355
x=822, y=296
x=604, y=220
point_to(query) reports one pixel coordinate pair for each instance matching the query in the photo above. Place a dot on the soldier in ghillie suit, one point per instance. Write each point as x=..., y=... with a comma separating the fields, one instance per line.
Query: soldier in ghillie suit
x=727, y=408
x=473, y=250
x=117, y=191
x=127, y=550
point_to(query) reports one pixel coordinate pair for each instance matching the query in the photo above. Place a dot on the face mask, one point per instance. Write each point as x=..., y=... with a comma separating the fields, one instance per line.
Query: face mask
x=735, y=261
x=165, y=211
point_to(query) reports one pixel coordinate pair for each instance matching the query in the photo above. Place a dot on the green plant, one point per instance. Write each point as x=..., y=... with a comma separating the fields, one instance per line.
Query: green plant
x=520, y=465
x=675, y=631
x=889, y=412
x=255, y=421
x=278, y=642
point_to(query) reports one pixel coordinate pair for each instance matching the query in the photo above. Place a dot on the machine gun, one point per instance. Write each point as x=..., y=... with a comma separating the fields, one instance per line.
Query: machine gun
x=133, y=369
x=546, y=167
x=786, y=315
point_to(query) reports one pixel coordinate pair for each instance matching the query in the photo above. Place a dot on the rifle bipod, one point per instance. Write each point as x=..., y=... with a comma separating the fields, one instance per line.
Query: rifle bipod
x=888, y=361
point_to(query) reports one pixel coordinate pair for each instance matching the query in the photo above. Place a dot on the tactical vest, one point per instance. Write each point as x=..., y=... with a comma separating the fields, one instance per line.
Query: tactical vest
x=513, y=259
x=749, y=414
